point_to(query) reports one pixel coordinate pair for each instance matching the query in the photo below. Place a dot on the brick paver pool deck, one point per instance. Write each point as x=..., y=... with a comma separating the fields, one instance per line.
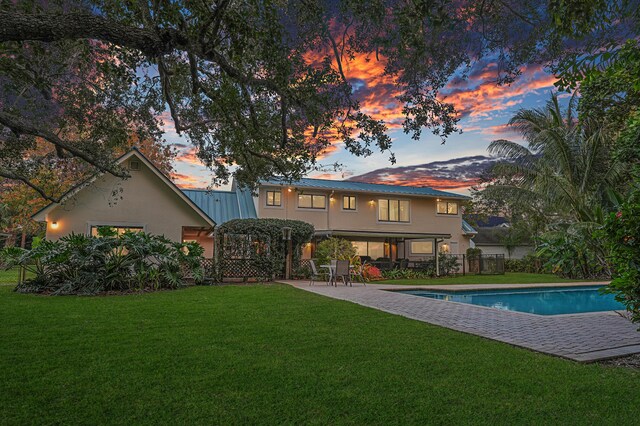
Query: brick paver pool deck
x=581, y=337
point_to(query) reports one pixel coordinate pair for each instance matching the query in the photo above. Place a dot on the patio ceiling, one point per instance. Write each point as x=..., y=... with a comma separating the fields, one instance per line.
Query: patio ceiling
x=407, y=235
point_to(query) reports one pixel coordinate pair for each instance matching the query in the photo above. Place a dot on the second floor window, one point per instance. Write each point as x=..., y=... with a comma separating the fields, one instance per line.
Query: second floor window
x=393, y=210
x=348, y=202
x=311, y=201
x=447, y=207
x=274, y=198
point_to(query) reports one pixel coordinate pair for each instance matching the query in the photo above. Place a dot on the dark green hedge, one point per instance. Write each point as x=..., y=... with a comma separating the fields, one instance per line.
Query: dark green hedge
x=622, y=235
x=269, y=230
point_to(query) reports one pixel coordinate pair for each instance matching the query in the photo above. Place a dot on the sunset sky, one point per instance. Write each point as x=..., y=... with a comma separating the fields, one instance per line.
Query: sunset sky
x=485, y=108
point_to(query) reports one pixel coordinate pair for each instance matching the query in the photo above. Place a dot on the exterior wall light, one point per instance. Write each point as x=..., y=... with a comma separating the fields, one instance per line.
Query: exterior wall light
x=54, y=225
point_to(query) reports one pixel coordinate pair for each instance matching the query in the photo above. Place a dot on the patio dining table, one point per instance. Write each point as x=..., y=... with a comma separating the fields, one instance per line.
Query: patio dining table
x=331, y=274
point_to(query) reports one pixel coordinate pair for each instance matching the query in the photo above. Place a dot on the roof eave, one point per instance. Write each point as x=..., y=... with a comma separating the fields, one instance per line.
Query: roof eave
x=41, y=215
x=366, y=191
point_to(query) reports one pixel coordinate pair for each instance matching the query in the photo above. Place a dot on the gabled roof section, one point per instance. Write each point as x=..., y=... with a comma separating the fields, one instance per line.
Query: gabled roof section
x=344, y=185
x=41, y=215
x=223, y=206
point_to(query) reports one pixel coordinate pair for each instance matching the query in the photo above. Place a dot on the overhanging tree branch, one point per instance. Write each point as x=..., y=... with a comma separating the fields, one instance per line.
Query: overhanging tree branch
x=13, y=176
x=21, y=127
x=17, y=26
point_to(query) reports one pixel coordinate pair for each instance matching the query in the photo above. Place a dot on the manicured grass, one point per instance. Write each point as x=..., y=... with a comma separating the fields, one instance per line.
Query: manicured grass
x=274, y=354
x=507, y=278
x=9, y=277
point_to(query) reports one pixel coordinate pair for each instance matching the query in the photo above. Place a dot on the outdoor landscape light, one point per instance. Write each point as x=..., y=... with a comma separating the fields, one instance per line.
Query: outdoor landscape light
x=54, y=225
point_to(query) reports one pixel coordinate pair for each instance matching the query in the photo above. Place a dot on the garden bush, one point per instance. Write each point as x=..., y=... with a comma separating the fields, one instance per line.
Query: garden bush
x=449, y=265
x=269, y=256
x=406, y=274
x=336, y=248
x=371, y=273
x=82, y=264
x=473, y=259
x=529, y=263
x=622, y=234
x=574, y=252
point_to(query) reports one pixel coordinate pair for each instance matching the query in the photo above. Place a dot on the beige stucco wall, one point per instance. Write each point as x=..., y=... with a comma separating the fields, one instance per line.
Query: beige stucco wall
x=422, y=217
x=141, y=200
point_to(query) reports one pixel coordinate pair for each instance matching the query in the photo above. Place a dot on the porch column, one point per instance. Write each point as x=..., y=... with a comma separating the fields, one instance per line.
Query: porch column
x=435, y=251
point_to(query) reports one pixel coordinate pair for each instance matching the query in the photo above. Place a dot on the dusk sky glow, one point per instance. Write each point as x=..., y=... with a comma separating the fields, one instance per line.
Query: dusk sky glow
x=484, y=107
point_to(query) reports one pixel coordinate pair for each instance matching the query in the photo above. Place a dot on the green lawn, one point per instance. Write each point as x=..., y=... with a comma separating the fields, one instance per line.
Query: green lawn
x=274, y=354
x=507, y=278
x=9, y=277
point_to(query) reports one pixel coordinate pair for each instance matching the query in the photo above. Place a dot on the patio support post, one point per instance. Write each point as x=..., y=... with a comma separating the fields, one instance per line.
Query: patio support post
x=286, y=236
x=435, y=250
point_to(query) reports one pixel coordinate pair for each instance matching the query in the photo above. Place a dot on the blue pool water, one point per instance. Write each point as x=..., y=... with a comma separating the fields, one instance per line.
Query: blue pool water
x=541, y=301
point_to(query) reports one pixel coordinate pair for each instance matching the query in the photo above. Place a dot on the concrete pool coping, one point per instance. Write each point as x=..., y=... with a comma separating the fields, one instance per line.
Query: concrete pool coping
x=585, y=337
x=469, y=287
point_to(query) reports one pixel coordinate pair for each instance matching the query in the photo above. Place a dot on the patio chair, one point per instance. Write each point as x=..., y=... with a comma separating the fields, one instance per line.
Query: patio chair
x=332, y=272
x=315, y=274
x=358, y=272
x=342, y=271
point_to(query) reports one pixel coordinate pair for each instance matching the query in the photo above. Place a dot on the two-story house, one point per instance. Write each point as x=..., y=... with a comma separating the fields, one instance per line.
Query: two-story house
x=381, y=220
x=387, y=221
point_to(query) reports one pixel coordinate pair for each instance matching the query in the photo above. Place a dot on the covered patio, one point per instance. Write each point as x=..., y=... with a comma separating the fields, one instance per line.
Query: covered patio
x=391, y=250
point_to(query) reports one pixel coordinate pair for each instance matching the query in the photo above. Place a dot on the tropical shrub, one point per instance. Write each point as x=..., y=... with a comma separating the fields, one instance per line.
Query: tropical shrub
x=448, y=264
x=529, y=263
x=574, y=252
x=405, y=274
x=335, y=248
x=82, y=264
x=622, y=233
x=473, y=259
x=268, y=250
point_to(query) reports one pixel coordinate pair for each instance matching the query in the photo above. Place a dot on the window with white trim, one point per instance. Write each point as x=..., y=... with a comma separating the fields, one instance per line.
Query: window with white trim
x=447, y=207
x=348, y=202
x=393, y=210
x=118, y=229
x=274, y=198
x=312, y=201
x=421, y=247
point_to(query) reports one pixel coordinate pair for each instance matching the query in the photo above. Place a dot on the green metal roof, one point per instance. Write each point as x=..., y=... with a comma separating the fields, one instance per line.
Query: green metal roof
x=346, y=185
x=223, y=206
x=468, y=229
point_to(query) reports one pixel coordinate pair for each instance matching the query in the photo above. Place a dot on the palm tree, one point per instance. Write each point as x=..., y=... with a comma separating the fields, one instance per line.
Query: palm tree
x=566, y=169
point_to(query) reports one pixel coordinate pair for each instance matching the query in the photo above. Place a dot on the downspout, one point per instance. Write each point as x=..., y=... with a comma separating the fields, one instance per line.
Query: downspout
x=329, y=211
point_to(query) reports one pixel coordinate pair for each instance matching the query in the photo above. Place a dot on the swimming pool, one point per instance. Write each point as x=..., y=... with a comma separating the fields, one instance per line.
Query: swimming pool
x=540, y=300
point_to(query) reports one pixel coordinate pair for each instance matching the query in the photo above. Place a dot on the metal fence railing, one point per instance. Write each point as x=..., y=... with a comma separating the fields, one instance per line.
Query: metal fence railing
x=448, y=264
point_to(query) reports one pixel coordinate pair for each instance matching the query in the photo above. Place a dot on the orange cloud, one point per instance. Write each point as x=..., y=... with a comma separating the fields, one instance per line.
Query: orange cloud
x=479, y=95
x=188, y=155
x=332, y=175
x=187, y=181
x=425, y=181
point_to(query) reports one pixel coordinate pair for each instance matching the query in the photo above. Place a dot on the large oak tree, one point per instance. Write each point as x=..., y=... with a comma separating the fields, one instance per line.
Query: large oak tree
x=260, y=87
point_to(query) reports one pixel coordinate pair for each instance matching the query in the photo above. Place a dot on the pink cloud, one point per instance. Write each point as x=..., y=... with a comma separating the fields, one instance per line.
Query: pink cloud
x=479, y=95
x=187, y=181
